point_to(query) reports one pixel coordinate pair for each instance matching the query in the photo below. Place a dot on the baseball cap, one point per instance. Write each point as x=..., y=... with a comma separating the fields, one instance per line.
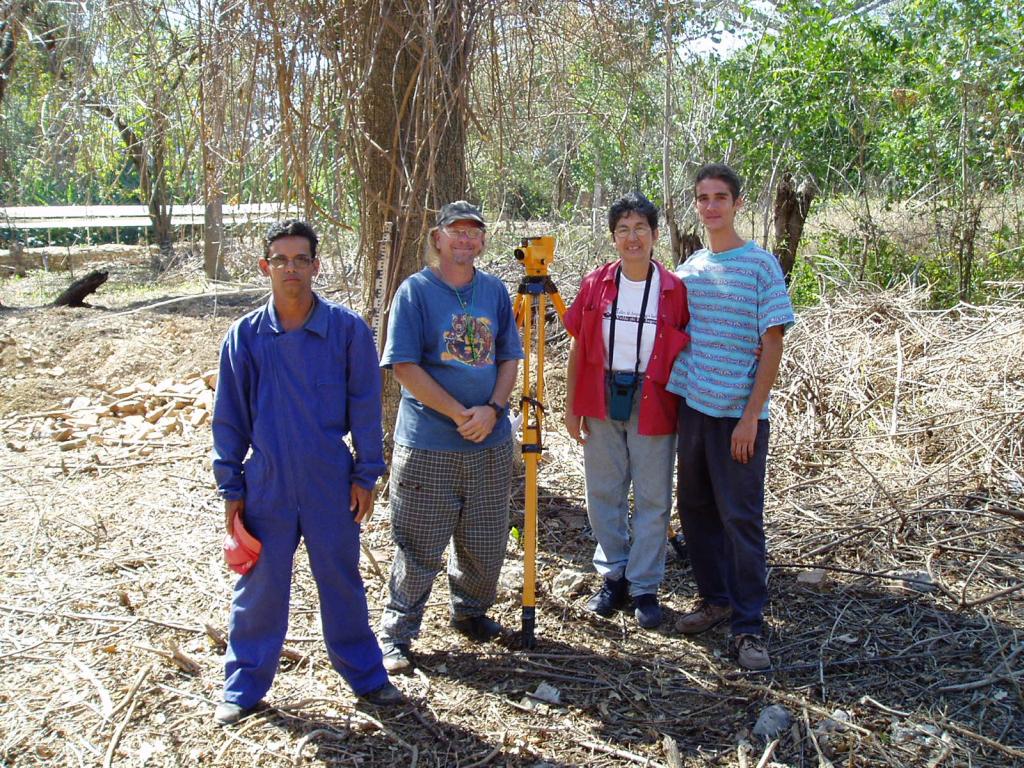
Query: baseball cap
x=241, y=548
x=460, y=210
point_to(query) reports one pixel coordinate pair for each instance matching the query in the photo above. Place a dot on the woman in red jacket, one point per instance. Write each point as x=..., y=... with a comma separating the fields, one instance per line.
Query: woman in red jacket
x=627, y=326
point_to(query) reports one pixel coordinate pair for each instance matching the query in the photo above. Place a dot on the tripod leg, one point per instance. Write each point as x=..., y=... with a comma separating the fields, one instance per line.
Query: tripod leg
x=531, y=456
x=530, y=546
x=518, y=304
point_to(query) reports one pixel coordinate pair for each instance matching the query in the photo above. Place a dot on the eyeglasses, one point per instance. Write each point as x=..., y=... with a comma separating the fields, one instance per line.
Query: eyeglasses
x=471, y=233
x=638, y=232
x=299, y=262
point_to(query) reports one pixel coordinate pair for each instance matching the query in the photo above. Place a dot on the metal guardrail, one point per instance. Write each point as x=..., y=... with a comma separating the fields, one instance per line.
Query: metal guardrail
x=107, y=216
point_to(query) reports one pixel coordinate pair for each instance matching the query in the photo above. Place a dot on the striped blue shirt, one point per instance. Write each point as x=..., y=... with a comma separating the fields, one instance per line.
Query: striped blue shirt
x=735, y=297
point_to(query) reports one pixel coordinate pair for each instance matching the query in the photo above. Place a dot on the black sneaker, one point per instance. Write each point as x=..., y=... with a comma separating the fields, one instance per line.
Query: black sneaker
x=397, y=657
x=385, y=696
x=613, y=596
x=648, y=612
x=479, y=628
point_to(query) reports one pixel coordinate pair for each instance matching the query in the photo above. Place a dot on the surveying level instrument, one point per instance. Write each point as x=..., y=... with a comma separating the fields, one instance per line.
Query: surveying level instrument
x=536, y=254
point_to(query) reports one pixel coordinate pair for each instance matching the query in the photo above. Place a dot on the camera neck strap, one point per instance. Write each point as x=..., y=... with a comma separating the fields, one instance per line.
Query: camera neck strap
x=640, y=320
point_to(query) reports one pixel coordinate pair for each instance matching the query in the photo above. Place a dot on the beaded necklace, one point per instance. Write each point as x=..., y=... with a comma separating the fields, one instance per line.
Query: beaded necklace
x=468, y=316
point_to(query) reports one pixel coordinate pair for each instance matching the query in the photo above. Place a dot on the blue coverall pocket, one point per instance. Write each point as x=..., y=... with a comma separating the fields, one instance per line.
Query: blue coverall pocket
x=330, y=395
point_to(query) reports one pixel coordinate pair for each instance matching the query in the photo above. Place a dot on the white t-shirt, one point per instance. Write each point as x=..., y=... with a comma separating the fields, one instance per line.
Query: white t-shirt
x=631, y=297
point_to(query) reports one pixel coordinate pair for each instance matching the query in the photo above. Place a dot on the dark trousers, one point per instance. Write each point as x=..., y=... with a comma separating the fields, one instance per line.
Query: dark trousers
x=721, y=507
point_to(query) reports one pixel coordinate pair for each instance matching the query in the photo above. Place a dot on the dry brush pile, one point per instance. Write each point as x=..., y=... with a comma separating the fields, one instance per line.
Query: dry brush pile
x=895, y=514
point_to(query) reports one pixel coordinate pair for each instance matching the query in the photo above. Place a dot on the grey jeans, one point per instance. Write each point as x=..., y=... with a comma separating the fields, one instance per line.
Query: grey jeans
x=615, y=457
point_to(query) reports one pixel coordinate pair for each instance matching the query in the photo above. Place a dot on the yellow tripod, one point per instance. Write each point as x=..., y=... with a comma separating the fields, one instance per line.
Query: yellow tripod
x=537, y=254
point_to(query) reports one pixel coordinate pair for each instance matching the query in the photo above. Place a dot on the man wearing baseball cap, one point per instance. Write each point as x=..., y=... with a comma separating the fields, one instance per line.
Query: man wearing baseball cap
x=454, y=347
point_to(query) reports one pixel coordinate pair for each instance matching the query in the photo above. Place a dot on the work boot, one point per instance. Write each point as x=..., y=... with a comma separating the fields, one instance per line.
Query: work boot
x=397, y=657
x=479, y=628
x=385, y=696
x=613, y=596
x=648, y=612
x=750, y=652
x=704, y=618
x=229, y=713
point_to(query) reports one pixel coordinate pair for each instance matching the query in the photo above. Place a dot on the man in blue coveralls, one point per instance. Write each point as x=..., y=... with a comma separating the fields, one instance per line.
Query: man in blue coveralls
x=296, y=376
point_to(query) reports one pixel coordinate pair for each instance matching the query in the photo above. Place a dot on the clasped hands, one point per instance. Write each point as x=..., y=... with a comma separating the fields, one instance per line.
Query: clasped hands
x=478, y=422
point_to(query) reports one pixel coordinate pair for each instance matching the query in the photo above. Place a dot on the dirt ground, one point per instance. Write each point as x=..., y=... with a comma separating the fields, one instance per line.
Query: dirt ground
x=894, y=515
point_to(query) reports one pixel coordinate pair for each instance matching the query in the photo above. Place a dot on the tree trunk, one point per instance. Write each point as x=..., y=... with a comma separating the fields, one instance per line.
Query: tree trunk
x=668, y=202
x=9, y=27
x=966, y=220
x=412, y=154
x=152, y=179
x=689, y=243
x=212, y=107
x=792, y=204
x=156, y=192
x=392, y=220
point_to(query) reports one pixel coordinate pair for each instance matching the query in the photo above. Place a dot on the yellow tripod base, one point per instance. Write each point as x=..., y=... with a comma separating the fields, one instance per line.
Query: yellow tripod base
x=531, y=458
x=535, y=291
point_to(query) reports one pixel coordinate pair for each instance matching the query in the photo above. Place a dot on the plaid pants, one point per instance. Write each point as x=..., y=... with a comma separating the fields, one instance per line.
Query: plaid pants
x=437, y=497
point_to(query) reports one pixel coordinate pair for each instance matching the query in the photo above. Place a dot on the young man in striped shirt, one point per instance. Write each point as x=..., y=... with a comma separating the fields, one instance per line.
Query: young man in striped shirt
x=738, y=302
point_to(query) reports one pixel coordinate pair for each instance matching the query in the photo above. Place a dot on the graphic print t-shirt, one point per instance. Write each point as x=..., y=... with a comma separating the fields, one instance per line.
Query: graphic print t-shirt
x=459, y=340
x=631, y=297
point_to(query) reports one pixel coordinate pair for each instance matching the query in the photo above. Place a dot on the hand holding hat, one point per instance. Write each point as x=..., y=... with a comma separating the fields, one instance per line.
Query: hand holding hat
x=241, y=548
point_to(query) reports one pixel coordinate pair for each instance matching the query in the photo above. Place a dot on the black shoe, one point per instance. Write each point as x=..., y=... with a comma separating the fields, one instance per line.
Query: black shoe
x=479, y=628
x=613, y=595
x=648, y=612
x=679, y=547
x=229, y=713
x=385, y=696
x=397, y=657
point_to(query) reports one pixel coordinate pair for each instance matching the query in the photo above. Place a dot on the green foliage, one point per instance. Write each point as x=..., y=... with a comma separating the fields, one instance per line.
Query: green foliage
x=805, y=98
x=903, y=101
x=839, y=257
x=1004, y=258
x=958, y=96
x=805, y=287
x=922, y=100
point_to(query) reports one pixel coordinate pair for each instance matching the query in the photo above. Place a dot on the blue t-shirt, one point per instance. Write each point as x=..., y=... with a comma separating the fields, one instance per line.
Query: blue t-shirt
x=459, y=338
x=735, y=297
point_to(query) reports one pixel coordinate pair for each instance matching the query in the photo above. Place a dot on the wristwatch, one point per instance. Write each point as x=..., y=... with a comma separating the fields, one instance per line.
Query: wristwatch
x=498, y=410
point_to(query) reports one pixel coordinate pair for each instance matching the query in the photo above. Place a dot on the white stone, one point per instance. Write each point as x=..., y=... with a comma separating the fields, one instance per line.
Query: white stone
x=569, y=583
x=548, y=693
x=772, y=721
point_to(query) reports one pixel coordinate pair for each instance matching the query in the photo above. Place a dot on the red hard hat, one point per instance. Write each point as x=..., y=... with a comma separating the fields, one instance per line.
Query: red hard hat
x=241, y=548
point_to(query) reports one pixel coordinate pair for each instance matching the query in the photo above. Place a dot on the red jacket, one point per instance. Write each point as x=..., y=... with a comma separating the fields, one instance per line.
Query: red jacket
x=658, y=407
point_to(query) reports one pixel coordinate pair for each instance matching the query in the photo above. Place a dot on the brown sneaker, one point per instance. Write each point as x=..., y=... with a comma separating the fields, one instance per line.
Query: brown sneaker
x=704, y=618
x=750, y=652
